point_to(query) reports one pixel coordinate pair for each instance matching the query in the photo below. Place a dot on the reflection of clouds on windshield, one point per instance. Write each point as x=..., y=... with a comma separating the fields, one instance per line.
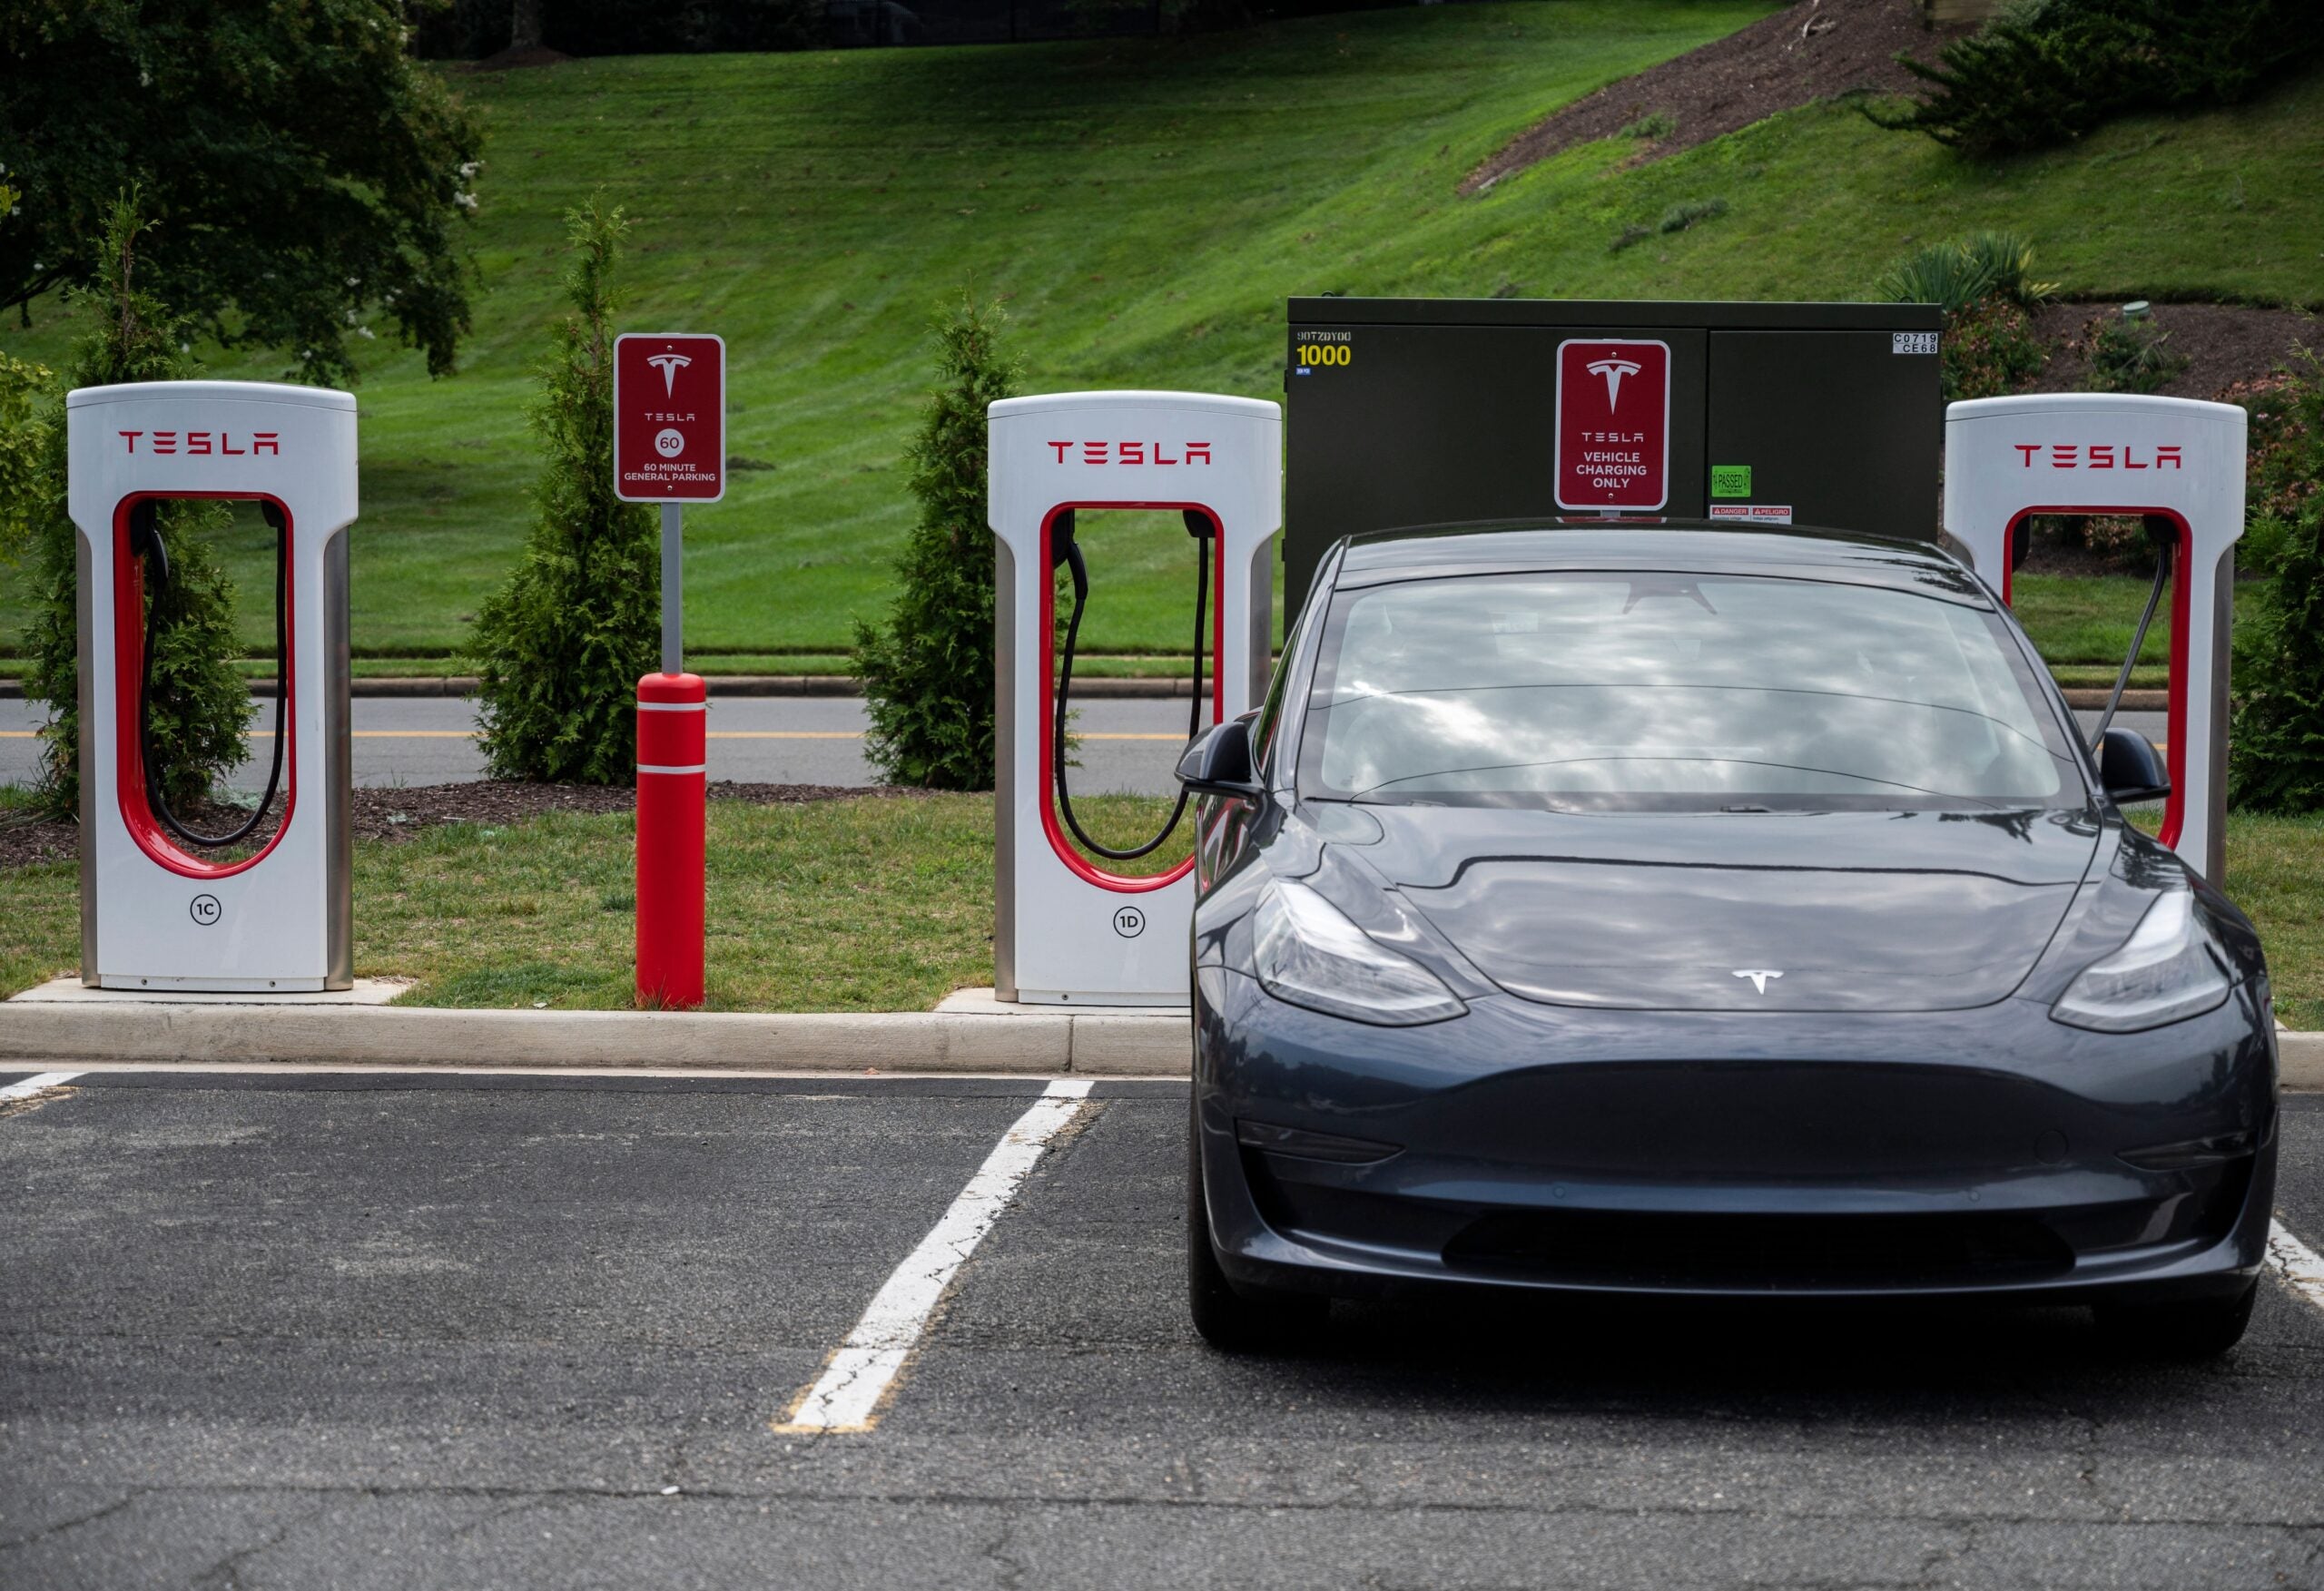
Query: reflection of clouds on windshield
x=1603, y=684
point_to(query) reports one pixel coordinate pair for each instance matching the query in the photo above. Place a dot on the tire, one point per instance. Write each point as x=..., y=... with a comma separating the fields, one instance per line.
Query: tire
x=1245, y=1322
x=2187, y=1329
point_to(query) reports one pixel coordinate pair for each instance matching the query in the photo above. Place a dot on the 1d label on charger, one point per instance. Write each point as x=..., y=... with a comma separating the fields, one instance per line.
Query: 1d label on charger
x=1129, y=922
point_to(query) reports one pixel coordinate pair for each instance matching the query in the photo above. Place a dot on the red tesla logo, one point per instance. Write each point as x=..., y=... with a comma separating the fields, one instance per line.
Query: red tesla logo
x=200, y=443
x=1133, y=452
x=2096, y=455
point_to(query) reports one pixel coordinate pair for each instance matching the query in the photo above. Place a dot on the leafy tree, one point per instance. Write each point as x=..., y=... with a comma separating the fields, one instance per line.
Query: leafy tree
x=200, y=704
x=560, y=648
x=304, y=172
x=2276, y=751
x=928, y=674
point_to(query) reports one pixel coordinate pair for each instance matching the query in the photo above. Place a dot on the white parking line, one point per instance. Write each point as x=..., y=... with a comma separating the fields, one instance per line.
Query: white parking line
x=39, y=1084
x=2302, y=1267
x=847, y=1396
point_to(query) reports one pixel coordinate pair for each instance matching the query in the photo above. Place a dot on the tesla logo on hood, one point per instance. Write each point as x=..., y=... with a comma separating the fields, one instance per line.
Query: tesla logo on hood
x=1759, y=976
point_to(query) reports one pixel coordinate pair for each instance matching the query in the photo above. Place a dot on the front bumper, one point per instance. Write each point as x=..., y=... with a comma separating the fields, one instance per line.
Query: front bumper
x=1536, y=1147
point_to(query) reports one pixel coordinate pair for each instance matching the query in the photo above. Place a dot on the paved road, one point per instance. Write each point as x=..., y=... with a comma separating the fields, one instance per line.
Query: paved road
x=1128, y=745
x=337, y=1331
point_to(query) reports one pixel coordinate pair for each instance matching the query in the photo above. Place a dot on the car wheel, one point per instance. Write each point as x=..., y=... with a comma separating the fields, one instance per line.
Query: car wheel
x=2186, y=1329
x=1244, y=1321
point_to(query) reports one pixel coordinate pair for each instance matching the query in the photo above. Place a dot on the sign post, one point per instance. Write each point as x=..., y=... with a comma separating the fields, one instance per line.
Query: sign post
x=670, y=447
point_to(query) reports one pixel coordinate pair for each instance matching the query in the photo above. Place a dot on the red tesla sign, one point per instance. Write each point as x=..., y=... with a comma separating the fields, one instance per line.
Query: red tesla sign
x=1614, y=424
x=669, y=417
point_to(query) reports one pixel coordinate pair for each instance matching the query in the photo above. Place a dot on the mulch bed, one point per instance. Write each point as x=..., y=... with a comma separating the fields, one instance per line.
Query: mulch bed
x=2225, y=343
x=1803, y=54
x=394, y=814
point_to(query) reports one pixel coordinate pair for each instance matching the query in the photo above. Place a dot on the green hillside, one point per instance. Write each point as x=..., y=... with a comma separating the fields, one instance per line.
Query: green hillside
x=1144, y=207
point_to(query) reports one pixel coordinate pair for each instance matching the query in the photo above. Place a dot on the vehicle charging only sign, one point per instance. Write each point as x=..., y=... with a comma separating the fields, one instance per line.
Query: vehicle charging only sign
x=669, y=417
x=1614, y=424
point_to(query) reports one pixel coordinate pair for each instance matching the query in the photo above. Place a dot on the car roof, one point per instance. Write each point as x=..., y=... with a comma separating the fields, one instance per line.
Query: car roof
x=1693, y=545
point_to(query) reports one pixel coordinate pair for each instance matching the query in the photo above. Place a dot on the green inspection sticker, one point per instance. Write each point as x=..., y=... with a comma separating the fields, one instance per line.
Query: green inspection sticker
x=1730, y=480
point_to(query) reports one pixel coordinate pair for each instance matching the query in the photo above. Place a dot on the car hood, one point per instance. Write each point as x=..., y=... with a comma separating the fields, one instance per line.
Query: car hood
x=1849, y=911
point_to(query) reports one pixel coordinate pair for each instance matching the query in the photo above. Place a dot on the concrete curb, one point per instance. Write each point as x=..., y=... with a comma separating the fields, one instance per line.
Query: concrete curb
x=1046, y=1045
x=424, y=1036
x=2089, y=699
x=2299, y=1058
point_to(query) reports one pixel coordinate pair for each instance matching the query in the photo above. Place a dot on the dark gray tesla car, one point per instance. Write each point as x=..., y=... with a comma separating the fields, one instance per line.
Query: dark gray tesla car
x=1679, y=909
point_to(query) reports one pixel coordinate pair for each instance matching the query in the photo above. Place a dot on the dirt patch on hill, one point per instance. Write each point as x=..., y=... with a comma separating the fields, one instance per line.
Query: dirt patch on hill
x=392, y=814
x=2223, y=343
x=1803, y=53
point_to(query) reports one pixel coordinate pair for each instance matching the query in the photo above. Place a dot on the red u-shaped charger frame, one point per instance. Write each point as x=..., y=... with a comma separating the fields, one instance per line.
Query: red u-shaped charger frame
x=2174, y=753
x=129, y=679
x=1079, y=865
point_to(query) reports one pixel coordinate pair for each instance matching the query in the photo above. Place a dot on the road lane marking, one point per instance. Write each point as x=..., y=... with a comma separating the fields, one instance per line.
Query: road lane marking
x=47, y=1080
x=2301, y=1268
x=857, y=1378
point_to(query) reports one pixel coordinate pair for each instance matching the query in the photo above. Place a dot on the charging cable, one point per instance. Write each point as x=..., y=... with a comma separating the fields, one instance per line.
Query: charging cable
x=1067, y=550
x=145, y=542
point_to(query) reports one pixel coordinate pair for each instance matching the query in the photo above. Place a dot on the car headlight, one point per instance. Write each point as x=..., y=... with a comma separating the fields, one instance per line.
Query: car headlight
x=2166, y=971
x=1307, y=953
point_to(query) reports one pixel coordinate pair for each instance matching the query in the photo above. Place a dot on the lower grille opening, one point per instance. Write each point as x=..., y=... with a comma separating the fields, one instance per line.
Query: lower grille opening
x=1645, y=1248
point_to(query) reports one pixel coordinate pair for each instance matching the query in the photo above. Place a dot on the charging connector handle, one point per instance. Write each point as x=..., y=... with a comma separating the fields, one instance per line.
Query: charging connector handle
x=2166, y=542
x=145, y=542
x=1064, y=548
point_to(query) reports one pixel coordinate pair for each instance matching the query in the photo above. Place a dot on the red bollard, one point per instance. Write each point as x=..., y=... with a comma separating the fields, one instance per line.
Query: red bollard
x=673, y=780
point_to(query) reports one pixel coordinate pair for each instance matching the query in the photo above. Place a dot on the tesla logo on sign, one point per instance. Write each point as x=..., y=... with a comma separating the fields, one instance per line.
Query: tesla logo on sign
x=1614, y=424
x=1759, y=976
x=1613, y=370
x=669, y=417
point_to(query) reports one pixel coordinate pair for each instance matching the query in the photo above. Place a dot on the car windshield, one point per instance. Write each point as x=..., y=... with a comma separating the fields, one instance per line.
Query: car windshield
x=1675, y=692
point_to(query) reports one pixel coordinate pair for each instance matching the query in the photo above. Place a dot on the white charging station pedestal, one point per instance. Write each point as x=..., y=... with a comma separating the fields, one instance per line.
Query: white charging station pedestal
x=1068, y=931
x=2009, y=458
x=154, y=914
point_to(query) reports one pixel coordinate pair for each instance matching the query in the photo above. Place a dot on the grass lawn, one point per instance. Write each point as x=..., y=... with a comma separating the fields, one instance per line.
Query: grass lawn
x=872, y=904
x=1145, y=206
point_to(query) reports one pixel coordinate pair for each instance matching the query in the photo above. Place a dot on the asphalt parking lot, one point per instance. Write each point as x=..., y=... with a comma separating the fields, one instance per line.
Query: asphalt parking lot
x=312, y=1330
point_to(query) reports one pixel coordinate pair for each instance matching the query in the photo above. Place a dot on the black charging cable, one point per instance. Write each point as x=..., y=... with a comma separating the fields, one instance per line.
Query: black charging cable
x=145, y=542
x=1064, y=548
x=2166, y=543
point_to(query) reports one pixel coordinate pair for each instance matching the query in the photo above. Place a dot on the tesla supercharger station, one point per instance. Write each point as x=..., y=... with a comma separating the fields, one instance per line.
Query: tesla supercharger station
x=2172, y=458
x=1067, y=930
x=156, y=913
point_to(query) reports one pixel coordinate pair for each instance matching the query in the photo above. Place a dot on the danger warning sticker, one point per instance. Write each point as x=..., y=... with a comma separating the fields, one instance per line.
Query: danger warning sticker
x=1614, y=424
x=1752, y=513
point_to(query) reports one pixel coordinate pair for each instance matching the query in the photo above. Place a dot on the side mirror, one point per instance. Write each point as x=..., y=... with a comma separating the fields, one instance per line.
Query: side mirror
x=2130, y=769
x=1219, y=764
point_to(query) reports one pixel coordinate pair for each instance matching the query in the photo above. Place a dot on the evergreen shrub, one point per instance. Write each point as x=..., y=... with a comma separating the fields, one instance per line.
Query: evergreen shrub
x=2276, y=748
x=927, y=671
x=2045, y=71
x=560, y=648
x=200, y=704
